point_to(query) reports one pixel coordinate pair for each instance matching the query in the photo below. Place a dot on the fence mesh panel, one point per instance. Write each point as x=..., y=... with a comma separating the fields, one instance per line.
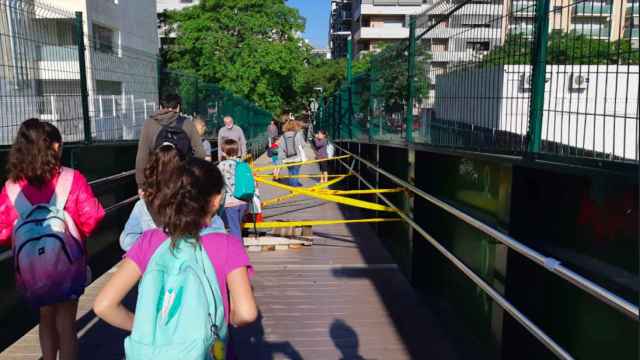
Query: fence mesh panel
x=517, y=76
x=41, y=48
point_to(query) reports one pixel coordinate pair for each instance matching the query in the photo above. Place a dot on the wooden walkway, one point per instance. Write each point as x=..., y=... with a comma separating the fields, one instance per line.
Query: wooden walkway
x=342, y=298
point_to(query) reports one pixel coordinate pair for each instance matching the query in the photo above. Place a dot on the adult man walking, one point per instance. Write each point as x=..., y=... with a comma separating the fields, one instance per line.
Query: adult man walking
x=169, y=121
x=234, y=132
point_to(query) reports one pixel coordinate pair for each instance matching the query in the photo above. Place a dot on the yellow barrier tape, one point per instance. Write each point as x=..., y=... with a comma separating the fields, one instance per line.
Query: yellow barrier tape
x=273, y=167
x=328, y=197
x=359, y=192
x=283, y=198
x=289, y=224
x=303, y=176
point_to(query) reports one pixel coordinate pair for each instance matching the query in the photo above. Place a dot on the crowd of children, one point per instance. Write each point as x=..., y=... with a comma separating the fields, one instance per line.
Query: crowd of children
x=176, y=241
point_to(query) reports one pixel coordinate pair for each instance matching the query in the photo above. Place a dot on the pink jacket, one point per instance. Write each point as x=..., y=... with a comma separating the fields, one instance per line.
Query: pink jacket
x=83, y=207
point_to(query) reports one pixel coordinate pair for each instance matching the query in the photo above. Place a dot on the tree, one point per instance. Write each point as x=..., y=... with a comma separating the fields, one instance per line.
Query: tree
x=565, y=48
x=249, y=47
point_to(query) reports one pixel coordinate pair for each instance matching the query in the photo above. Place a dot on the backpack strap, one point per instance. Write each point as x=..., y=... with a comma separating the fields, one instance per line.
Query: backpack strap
x=17, y=198
x=180, y=121
x=216, y=314
x=63, y=188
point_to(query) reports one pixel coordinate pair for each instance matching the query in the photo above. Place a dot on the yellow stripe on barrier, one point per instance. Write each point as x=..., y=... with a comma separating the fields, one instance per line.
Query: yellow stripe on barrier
x=301, y=163
x=289, y=224
x=328, y=197
x=359, y=192
x=318, y=187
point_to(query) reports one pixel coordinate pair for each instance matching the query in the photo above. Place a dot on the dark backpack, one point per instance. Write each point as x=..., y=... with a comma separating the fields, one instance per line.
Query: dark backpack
x=175, y=135
x=290, y=145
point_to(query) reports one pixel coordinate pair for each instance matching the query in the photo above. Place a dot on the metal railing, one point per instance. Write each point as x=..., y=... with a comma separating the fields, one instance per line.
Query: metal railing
x=548, y=263
x=90, y=89
x=517, y=77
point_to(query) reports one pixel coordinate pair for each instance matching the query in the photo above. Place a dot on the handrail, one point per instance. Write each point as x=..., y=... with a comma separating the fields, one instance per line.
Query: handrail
x=8, y=253
x=112, y=177
x=549, y=263
x=493, y=294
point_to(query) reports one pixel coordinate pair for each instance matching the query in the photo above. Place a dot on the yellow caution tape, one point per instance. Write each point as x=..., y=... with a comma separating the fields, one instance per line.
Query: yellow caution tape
x=300, y=163
x=283, y=198
x=303, y=176
x=360, y=192
x=289, y=224
x=328, y=197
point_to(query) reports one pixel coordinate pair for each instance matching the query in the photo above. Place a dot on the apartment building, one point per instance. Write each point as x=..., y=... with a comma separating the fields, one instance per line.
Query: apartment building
x=174, y=4
x=340, y=23
x=120, y=58
x=376, y=22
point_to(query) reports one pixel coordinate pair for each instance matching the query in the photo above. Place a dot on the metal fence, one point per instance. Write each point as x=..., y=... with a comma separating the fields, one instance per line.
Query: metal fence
x=91, y=87
x=512, y=76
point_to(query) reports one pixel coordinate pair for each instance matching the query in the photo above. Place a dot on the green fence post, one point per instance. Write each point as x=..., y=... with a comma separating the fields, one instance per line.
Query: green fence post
x=350, y=86
x=538, y=75
x=411, y=76
x=84, y=90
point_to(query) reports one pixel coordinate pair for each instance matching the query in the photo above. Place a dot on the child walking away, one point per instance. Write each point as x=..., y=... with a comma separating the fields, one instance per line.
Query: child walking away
x=194, y=283
x=320, y=143
x=292, y=150
x=236, y=196
x=46, y=213
x=273, y=153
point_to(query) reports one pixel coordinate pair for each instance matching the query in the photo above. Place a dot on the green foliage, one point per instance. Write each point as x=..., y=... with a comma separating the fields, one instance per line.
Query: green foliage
x=565, y=48
x=389, y=73
x=249, y=47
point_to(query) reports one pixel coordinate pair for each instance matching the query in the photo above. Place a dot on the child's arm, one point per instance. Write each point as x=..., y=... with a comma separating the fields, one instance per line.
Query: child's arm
x=108, y=305
x=8, y=216
x=133, y=228
x=242, y=302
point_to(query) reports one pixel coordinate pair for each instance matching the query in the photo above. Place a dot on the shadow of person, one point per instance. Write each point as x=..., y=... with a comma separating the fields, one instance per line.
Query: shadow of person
x=248, y=343
x=345, y=339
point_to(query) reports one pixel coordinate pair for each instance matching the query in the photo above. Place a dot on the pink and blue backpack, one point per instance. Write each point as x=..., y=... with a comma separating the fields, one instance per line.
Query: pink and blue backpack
x=49, y=258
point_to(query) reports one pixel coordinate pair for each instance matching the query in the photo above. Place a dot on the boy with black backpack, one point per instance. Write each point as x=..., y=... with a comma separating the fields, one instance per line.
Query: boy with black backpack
x=167, y=125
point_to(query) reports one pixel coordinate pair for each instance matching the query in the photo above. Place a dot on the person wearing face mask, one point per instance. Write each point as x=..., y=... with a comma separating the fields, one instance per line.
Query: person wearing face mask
x=233, y=132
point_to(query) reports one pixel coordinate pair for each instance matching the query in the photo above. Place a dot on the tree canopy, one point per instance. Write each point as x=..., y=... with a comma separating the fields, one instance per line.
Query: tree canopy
x=249, y=47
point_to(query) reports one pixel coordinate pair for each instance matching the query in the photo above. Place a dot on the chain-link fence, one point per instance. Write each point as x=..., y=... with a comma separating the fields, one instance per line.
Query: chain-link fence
x=515, y=76
x=91, y=87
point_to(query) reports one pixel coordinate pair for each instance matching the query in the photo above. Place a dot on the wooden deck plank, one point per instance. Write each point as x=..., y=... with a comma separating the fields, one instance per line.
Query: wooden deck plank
x=343, y=297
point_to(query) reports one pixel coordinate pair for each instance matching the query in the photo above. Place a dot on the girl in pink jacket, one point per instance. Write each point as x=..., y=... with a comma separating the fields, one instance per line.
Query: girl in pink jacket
x=34, y=164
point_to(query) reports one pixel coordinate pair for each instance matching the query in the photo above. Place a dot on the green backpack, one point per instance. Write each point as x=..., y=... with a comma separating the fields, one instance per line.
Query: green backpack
x=179, y=312
x=244, y=187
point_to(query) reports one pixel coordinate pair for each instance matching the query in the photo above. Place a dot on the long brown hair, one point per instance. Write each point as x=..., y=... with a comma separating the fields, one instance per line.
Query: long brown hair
x=159, y=173
x=184, y=204
x=33, y=157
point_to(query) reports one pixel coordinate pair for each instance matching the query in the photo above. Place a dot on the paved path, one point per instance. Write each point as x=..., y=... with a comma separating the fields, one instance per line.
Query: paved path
x=342, y=298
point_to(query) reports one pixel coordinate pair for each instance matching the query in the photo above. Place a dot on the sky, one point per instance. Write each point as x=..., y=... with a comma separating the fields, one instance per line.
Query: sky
x=317, y=14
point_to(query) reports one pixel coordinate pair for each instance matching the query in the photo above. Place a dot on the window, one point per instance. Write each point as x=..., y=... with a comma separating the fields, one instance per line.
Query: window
x=186, y=1
x=478, y=45
x=104, y=39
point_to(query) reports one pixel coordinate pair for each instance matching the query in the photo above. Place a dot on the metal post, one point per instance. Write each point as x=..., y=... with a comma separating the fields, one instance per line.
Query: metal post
x=84, y=91
x=411, y=78
x=350, y=86
x=539, y=60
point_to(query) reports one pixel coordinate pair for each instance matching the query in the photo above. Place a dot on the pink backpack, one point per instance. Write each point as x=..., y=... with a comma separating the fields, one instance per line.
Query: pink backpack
x=49, y=258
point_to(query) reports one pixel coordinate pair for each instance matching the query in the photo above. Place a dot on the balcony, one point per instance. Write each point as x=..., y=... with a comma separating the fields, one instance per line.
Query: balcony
x=598, y=32
x=383, y=33
x=462, y=32
x=57, y=62
x=522, y=29
x=523, y=8
x=592, y=9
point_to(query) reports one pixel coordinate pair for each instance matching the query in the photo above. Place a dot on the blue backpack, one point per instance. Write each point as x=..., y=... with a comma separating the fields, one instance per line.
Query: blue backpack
x=49, y=257
x=244, y=187
x=179, y=312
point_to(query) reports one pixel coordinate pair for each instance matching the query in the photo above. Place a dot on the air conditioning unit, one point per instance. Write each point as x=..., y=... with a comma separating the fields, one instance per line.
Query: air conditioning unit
x=525, y=80
x=579, y=81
